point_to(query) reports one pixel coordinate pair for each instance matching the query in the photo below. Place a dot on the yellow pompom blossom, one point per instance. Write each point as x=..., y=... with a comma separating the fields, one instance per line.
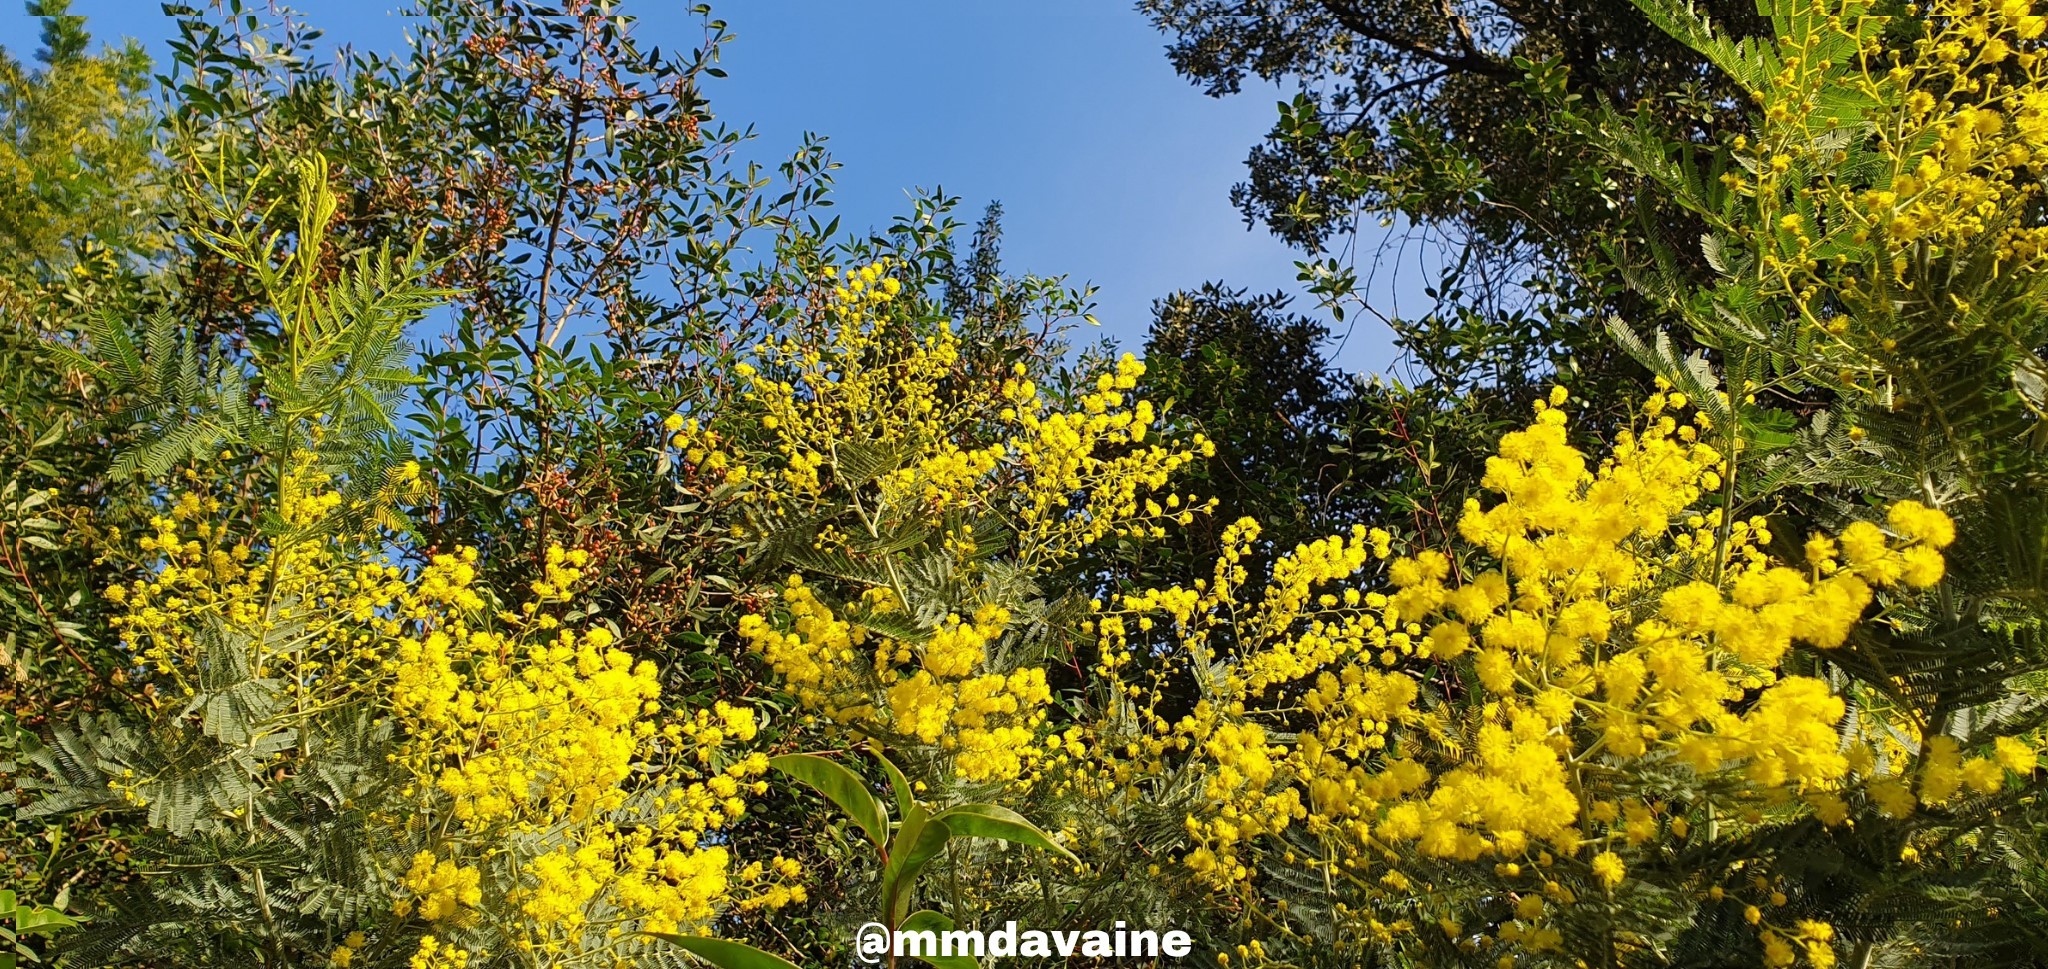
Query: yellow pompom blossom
x=1608, y=869
x=551, y=800
x=438, y=888
x=1482, y=710
x=436, y=954
x=344, y=955
x=704, y=451
x=917, y=468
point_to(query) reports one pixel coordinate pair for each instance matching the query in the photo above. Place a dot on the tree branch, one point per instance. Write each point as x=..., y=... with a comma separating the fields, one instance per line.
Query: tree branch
x=1472, y=60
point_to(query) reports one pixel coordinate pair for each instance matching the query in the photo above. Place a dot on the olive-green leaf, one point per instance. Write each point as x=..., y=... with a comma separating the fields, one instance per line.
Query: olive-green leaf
x=898, y=784
x=991, y=821
x=42, y=919
x=725, y=953
x=926, y=920
x=917, y=842
x=842, y=787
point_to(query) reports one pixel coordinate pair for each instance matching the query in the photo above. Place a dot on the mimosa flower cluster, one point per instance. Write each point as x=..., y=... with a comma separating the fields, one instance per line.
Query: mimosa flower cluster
x=868, y=385
x=935, y=487
x=524, y=731
x=553, y=808
x=1868, y=158
x=1484, y=711
x=1956, y=116
x=986, y=722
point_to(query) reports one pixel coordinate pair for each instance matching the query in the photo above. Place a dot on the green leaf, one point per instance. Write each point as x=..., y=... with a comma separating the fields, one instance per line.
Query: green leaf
x=927, y=920
x=917, y=842
x=42, y=919
x=991, y=821
x=898, y=784
x=725, y=953
x=843, y=788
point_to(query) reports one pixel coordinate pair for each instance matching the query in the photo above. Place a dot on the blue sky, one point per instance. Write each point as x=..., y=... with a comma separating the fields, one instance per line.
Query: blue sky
x=1110, y=168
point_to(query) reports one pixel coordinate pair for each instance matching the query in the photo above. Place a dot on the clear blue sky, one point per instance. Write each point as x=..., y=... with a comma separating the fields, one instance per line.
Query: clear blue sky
x=1110, y=168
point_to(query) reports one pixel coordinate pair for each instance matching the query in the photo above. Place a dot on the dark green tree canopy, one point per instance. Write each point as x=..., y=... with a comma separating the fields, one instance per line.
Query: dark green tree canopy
x=1252, y=374
x=1420, y=105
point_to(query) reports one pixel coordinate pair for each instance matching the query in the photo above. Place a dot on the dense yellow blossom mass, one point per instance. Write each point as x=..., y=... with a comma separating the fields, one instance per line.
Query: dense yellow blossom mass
x=1484, y=709
x=922, y=469
x=552, y=801
x=1883, y=142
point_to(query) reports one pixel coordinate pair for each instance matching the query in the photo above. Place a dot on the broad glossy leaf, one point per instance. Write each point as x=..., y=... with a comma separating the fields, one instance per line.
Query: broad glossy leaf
x=927, y=920
x=917, y=842
x=842, y=787
x=992, y=821
x=725, y=953
x=898, y=784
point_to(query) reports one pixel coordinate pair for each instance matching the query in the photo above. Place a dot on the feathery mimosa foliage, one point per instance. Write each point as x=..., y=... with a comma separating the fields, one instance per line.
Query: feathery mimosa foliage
x=349, y=761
